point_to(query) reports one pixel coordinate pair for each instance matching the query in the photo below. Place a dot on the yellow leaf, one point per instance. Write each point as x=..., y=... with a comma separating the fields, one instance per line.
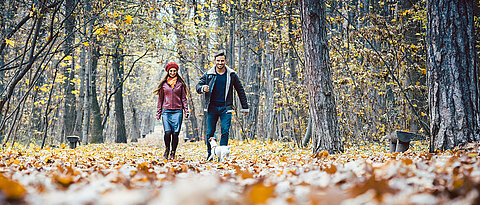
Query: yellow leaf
x=68, y=58
x=128, y=19
x=85, y=43
x=9, y=42
x=423, y=114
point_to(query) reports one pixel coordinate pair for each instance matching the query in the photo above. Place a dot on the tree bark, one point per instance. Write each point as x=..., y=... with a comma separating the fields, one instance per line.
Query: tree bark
x=121, y=133
x=135, y=128
x=452, y=80
x=97, y=128
x=319, y=82
x=69, y=103
x=88, y=80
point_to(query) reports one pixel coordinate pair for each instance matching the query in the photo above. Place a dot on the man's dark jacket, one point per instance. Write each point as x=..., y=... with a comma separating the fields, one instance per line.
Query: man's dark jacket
x=232, y=81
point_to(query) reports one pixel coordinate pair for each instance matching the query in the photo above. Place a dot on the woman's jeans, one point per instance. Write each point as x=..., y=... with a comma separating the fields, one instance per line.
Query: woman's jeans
x=213, y=114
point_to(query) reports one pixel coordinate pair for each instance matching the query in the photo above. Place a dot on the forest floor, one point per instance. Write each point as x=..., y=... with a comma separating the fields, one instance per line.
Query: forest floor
x=257, y=172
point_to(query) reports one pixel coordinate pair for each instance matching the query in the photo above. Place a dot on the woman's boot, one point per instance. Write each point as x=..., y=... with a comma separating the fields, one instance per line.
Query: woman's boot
x=167, y=138
x=174, y=144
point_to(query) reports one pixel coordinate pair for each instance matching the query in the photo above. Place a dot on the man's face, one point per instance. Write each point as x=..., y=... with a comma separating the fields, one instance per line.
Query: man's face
x=220, y=62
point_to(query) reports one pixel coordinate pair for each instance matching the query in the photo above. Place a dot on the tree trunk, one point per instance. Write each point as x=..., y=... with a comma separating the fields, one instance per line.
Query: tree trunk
x=69, y=103
x=97, y=128
x=121, y=133
x=319, y=83
x=452, y=80
x=88, y=80
x=81, y=106
x=135, y=128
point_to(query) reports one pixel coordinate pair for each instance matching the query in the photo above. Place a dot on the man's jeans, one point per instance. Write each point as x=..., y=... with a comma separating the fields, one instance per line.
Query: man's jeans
x=213, y=114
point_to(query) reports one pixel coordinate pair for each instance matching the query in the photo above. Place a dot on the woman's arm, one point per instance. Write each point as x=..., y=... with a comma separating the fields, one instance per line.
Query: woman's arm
x=160, y=103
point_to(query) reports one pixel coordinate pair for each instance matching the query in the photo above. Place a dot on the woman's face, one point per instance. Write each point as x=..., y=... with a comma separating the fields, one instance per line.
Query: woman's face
x=172, y=72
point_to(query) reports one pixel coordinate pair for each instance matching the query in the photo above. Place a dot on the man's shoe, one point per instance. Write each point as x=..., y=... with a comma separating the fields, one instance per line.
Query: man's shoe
x=172, y=154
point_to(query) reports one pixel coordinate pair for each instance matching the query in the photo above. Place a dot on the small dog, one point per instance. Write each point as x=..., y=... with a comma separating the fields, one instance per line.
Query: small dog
x=222, y=152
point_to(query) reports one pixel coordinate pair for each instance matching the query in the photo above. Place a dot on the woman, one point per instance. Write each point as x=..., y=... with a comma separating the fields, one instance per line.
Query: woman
x=172, y=99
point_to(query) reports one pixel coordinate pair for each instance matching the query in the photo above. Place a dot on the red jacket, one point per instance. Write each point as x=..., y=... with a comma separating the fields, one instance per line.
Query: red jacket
x=172, y=98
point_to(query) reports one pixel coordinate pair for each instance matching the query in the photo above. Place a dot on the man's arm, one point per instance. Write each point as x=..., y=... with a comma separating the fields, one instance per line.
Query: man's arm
x=241, y=92
x=201, y=84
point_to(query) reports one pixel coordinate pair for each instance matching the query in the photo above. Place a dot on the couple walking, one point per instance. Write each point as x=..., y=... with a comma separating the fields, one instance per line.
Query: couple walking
x=216, y=84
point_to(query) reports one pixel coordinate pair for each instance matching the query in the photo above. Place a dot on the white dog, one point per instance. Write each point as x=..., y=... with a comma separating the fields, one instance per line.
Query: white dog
x=222, y=152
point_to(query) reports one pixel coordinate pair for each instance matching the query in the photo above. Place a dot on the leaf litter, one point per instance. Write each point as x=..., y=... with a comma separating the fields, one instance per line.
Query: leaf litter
x=257, y=173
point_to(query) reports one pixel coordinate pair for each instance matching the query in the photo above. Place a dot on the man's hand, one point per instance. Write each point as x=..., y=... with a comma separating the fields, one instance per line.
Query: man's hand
x=206, y=88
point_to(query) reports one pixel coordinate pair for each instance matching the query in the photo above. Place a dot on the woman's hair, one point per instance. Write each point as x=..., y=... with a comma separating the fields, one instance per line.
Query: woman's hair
x=179, y=78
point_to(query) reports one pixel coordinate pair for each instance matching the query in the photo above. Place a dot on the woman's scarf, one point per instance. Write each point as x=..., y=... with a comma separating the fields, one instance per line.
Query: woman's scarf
x=171, y=81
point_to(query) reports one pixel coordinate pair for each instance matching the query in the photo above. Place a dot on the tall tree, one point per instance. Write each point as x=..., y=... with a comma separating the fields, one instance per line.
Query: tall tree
x=119, y=111
x=319, y=83
x=69, y=103
x=451, y=77
x=97, y=127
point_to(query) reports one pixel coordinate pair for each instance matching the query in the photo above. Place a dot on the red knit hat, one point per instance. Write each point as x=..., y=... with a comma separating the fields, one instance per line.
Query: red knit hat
x=171, y=65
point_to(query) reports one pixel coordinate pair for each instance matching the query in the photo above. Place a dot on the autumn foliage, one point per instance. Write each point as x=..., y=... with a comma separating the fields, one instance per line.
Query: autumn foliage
x=257, y=173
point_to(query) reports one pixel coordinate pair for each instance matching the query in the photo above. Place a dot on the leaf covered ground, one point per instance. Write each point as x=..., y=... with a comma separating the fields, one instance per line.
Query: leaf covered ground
x=257, y=172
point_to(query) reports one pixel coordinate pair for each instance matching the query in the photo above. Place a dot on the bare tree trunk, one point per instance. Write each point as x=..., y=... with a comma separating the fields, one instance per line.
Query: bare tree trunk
x=81, y=106
x=87, y=103
x=97, y=127
x=135, y=132
x=319, y=82
x=69, y=103
x=452, y=80
x=121, y=135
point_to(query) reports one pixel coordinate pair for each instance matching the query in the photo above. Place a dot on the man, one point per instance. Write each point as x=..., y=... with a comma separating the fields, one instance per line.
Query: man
x=217, y=85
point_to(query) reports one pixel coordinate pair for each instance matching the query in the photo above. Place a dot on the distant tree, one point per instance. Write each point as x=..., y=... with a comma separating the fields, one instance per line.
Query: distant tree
x=452, y=81
x=319, y=83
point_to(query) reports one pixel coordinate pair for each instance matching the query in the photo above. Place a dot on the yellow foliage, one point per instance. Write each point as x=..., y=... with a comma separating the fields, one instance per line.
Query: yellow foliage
x=128, y=19
x=9, y=42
